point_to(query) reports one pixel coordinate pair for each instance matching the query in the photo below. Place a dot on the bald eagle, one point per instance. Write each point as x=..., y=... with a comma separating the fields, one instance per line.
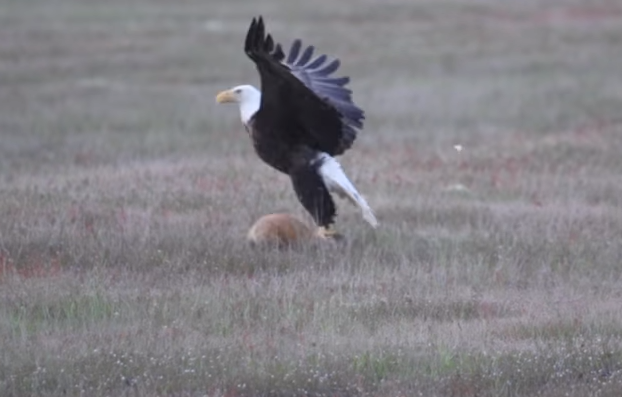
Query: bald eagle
x=299, y=121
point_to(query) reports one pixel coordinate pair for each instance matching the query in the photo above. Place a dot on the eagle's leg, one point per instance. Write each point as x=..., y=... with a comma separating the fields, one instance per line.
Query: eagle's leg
x=315, y=198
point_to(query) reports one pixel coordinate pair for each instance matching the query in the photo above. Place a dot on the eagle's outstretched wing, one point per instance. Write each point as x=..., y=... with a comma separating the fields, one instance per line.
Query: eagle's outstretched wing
x=300, y=96
x=316, y=74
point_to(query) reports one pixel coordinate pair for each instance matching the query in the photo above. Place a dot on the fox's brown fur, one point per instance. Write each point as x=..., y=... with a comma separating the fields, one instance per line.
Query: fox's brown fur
x=282, y=230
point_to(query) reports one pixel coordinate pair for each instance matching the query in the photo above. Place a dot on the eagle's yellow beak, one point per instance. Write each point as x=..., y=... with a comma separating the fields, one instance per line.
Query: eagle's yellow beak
x=225, y=96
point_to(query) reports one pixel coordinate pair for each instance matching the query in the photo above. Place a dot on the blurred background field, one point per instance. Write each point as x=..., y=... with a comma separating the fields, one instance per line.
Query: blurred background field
x=126, y=193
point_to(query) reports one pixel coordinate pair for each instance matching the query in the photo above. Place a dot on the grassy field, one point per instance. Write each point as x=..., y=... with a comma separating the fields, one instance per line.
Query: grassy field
x=126, y=193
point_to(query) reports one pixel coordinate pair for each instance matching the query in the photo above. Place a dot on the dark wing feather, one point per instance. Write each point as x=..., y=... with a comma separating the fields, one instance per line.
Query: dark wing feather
x=300, y=88
x=317, y=76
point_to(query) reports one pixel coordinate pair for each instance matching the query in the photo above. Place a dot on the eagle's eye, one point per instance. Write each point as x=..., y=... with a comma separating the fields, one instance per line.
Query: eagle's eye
x=238, y=91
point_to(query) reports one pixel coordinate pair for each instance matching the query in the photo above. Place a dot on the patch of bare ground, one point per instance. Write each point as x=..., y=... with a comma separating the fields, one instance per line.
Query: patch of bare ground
x=126, y=197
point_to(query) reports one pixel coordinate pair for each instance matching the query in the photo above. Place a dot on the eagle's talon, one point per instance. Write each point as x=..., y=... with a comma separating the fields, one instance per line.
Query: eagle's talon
x=329, y=234
x=326, y=232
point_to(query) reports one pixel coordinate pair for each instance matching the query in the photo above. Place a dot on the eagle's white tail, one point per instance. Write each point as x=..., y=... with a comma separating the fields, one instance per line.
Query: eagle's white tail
x=337, y=182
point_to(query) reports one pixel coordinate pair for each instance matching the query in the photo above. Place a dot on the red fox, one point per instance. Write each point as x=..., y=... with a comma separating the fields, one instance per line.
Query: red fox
x=285, y=230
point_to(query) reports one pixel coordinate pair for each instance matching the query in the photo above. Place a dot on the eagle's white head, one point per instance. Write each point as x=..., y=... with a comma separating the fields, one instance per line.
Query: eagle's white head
x=246, y=96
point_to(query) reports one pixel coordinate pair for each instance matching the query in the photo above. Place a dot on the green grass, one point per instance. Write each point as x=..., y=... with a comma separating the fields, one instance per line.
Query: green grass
x=126, y=195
